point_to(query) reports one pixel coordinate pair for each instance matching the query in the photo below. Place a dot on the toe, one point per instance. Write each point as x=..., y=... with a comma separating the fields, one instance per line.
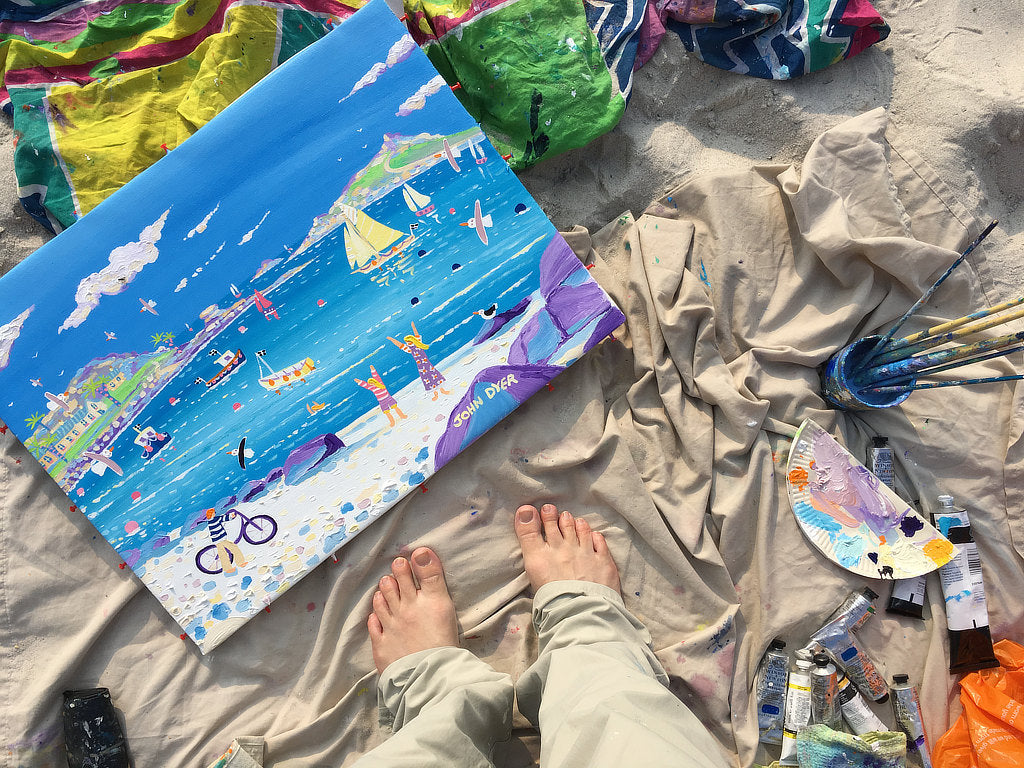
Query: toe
x=567, y=526
x=549, y=521
x=380, y=608
x=584, y=534
x=389, y=589
x=527, y=526
x=403, y=575
x=375, y=628
x=429, y=573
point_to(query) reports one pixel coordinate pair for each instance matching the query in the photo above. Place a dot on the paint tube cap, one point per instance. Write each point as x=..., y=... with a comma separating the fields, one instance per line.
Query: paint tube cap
x=879, y=441
x=946, y=501
x=869, y=593
x=900, y=679
x=821, y=660
x=777, y=644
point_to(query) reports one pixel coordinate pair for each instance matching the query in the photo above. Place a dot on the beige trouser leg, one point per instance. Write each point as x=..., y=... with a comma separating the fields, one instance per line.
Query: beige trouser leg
x=449, y=710
x=598, y=693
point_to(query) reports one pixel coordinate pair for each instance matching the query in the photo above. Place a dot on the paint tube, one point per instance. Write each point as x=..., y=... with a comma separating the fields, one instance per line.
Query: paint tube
x=907, y=709
x=798, y=708
x=824, y=684
x=856, y=712
x=771, y=692
x=963, y=586
x=836, y=638
x=907, y=596
x=880, y=461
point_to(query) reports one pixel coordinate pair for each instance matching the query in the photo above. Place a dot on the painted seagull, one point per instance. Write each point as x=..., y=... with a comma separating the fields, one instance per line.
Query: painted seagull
x=147, y=306
x=494, y=320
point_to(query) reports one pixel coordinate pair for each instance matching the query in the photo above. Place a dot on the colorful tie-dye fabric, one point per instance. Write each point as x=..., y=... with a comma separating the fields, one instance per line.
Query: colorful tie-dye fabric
x=773, y=39
x=98, y=92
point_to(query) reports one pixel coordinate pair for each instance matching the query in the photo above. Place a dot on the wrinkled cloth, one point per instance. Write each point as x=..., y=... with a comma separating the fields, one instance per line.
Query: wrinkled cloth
x=533, y=73
x=773, y=40
x=670, y=439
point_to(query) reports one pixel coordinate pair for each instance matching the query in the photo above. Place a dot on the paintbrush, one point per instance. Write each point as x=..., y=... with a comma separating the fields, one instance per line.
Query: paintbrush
x=913, y=365
x=887, y=337
x=953, y=330
x=949, y=325
x=948, y=366
x=936, y=384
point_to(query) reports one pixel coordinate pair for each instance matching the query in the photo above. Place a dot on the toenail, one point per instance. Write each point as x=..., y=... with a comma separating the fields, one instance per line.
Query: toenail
x=526, y=515
x=399, y=562
x=422, y=559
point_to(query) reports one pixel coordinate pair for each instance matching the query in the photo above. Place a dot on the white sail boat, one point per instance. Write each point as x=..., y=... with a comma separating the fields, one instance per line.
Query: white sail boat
x=418, y=202
x=477, y=151
x=368, y=243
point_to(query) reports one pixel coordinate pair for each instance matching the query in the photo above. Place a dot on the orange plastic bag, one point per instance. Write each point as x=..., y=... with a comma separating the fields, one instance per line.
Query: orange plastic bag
x=990, y=731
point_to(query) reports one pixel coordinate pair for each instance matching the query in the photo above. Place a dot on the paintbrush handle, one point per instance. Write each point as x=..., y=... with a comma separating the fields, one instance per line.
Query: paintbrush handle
x=928, y=294
x=937, y=384
x=950, y=325
x=913, y=365
x=948, y=366
x=891, y=354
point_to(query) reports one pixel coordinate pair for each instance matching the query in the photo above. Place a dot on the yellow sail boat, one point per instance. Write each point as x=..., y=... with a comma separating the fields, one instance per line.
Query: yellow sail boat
x=368, y=243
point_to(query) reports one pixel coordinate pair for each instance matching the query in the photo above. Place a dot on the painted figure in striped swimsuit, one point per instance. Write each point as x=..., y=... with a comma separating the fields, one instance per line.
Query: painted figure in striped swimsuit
x=386, y=402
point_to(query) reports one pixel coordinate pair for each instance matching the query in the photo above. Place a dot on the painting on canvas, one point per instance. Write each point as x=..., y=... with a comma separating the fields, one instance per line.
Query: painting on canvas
x=260, y=344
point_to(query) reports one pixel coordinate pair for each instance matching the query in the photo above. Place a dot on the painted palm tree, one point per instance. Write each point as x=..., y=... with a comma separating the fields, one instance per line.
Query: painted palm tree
x=168, y=337
x=157, y=339
x=91, y=386
x=34, y=419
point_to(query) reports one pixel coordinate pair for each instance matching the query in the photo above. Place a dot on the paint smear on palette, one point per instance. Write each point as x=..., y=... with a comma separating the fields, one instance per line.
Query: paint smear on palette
x=853, y=517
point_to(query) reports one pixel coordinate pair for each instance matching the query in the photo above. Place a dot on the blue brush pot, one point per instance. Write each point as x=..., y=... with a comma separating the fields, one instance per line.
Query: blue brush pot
x=839, y=381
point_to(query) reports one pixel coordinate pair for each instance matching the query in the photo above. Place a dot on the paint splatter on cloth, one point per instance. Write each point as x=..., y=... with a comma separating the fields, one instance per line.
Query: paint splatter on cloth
x=98, y=92
x=776, y=39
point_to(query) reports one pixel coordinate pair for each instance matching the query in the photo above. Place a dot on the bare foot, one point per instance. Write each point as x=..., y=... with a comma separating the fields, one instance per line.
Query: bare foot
x=559, y=546
x=407, y=618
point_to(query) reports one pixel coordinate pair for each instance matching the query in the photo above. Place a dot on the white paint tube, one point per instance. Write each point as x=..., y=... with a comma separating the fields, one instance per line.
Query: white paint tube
x=907, y=596
x=963, y=586
x=771, y=692
x=856, y=712
x=907, y=709
x=824, y=686
x=798, y=709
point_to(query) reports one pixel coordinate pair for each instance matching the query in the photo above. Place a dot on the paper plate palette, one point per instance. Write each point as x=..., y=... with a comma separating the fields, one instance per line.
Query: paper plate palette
x=853, y=517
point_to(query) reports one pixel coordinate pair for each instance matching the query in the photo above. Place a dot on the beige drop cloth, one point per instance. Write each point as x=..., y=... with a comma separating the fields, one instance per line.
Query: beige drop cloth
x=671, y=440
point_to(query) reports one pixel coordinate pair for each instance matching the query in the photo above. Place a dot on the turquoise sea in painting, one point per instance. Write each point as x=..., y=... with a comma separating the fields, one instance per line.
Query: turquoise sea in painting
x=191, y=357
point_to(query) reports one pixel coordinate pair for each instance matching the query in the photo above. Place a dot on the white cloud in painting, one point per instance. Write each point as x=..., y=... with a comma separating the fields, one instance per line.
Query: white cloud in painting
x=9, y=334
x=248, y=235
x=399, y=52
x=419, y=99
x=181, y=285
x=126, y=262
x=199, y=228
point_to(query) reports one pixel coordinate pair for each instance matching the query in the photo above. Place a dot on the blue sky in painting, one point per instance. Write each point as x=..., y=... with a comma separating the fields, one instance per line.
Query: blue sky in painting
x=257, y=185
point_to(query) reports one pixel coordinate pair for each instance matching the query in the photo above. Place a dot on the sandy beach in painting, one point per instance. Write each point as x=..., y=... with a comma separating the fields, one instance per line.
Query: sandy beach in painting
x=379, y=465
